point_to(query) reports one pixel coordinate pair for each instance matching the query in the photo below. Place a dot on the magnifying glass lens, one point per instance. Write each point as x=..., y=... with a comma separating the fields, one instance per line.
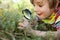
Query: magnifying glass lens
x=27, y=13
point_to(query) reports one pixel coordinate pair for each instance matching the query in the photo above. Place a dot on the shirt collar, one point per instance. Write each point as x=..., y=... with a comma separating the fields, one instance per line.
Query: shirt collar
x=50, y=19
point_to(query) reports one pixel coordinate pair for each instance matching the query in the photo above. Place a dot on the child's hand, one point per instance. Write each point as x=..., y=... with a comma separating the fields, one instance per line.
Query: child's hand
x=24, y=24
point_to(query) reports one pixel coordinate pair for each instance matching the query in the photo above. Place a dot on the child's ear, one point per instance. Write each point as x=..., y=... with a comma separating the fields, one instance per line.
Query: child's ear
x=57, y=4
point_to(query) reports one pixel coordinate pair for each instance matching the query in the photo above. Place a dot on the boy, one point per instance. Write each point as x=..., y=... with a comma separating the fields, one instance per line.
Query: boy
x=47, y=11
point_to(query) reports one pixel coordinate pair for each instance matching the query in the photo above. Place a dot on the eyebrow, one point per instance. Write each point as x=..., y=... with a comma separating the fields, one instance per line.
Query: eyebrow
x=41, y=1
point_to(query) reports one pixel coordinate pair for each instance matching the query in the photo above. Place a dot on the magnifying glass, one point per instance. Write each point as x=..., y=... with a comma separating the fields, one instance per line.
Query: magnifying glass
x=27, y=13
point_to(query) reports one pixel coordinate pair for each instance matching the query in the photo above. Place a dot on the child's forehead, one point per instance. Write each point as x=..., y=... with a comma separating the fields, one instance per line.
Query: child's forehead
x=39, y=1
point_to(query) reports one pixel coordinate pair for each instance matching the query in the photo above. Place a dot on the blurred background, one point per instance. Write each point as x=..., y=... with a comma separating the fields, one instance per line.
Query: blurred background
x=11, y=15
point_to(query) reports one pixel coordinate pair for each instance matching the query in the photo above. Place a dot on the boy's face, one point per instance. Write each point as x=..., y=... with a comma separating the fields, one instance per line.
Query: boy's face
x=41, y=7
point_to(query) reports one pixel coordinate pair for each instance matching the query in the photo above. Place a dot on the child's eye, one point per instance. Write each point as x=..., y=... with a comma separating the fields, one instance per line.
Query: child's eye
x=40, y=5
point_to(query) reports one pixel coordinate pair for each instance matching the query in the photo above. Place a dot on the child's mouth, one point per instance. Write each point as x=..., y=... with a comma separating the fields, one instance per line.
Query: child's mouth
x=39, y=14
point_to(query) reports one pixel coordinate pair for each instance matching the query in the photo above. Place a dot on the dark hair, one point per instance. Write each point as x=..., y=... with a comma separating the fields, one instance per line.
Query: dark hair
x=59, y=4
x=52, y=3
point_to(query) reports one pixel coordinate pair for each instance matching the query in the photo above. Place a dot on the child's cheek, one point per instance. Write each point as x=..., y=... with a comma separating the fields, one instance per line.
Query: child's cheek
x=46, y=12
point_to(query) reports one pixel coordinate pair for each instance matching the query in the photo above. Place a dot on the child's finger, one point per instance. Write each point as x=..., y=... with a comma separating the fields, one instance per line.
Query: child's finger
x=20, y=24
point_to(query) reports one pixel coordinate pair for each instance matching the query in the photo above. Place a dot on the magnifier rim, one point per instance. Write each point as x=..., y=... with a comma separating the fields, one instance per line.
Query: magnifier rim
x=26, y=10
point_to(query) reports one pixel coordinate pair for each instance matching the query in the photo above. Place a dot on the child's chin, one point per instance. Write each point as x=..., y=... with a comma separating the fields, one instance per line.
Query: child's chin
x=42, y=18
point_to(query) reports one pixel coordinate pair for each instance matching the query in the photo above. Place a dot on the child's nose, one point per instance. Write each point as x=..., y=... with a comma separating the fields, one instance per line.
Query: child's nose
x=36, y=8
